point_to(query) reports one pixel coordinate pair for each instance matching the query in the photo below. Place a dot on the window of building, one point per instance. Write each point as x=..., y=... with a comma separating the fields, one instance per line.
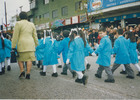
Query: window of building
x=64, y=11
x=39, y=16
x=54, y=13
x=32, y=4
x=46, y=1
x=46, y=15
x=53, y=0
x=78, y=6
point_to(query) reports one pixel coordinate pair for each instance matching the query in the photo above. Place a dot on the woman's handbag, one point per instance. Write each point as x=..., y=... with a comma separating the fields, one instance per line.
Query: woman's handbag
x=14, y=55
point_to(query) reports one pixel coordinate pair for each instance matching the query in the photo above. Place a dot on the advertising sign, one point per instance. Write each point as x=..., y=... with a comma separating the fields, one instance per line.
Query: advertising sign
x=74, y=19
x=67, y=21
x=102, y=4
x=83, y=18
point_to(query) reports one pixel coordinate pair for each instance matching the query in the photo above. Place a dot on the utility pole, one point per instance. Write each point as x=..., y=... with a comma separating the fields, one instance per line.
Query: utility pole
x=5, y=15
x=20, y=8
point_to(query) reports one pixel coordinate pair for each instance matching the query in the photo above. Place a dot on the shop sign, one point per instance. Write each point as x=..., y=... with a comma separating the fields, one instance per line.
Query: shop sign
x=67, y=21
x=83, y=18
x=74, y=19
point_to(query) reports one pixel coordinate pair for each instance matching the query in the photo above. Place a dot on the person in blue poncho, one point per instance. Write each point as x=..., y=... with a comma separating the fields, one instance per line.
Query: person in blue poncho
x=104, y=56
x=8, y=52
x=76, y=56
x=87, y=49
x=50, y=54
x=64, y=49
x=121, y=47
x=58, y=43
x=132, y=52
x=39, y=52
x=3, y=45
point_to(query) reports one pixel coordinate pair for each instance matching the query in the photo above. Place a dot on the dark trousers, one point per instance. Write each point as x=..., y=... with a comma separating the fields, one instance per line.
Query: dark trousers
x=129, y=70
x=107, y=70
x=66, y=67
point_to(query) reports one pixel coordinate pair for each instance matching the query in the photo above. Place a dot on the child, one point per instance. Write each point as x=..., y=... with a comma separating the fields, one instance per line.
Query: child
x=87, y=49
x=39, y=52
x=3, y=44
x=64, y=49
x=104, y=56
x=76, y=56
x=8, y=52
x=132, y=52
x=121, y=47
x=50, y=55
x=58, y=42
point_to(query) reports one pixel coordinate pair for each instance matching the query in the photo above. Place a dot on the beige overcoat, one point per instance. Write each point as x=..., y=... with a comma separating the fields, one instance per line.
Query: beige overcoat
x=24, y=36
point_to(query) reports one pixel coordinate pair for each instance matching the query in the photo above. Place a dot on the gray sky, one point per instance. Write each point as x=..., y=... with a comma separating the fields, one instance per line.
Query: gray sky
x=12, y=8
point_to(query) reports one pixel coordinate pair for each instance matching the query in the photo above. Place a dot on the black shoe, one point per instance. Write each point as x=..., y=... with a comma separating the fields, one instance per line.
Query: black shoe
x=8, y=68
x=62, y=73
x=22, y=74
x=130, y=77
x=38, y=65
x=28, y=76
x=98, y=76
x=85, y=79
x=55, y=75
x=1, y=73
x=138, y=74
x=43, y=73
x=123, y=72
x=83, y=72
x=110, y=81
x=3, y=70
x=60, y=66
x=88, y=66
x=79, y=80
x=73, y=74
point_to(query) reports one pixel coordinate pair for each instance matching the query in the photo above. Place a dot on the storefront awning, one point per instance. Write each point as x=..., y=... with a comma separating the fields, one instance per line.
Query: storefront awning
x=127, y=16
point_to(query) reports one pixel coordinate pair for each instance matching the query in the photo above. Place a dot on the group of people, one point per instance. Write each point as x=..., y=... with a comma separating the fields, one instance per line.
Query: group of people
x=74, y=47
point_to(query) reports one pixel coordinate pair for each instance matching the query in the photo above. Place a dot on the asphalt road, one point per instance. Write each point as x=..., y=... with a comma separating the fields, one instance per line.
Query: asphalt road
x=64, y=87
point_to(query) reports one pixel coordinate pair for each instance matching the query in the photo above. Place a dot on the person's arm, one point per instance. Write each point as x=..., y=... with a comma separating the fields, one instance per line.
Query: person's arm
x=101, y=46
x=35, y=36
x=70, y=52
x=116, y=47
x=15, y=35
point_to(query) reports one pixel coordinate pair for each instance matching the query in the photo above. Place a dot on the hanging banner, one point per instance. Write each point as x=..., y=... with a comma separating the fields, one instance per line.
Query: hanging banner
x=67, y=21
x=74, y=19
x=83, y=18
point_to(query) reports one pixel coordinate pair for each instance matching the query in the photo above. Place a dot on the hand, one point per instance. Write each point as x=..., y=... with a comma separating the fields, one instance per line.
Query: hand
x=93, y=54
x=68, y=61
x=14, y=49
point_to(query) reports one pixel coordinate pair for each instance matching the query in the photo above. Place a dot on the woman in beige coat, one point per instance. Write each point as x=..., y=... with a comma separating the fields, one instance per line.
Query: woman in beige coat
x=25, y=38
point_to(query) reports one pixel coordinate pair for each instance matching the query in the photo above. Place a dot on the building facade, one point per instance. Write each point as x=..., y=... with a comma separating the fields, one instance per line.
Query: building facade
x=57, y=14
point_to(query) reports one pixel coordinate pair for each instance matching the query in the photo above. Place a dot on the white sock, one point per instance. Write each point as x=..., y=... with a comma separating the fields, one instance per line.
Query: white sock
x=86, y=62
x=0, y=67
x=8, y=61
x=123, y=67
x=137, y=66
x=44, y=68
x=59, y=61
x=54, y=68
x=37, y=61
x=2, y=64
x=80, y=74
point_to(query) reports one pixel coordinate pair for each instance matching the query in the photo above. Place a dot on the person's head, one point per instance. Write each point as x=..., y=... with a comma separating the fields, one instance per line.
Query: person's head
x=111, y=31
x=72, y=36
x=47, y=33
x=131, y=29
x=102, y=32
x=123, y=29
x=139, y=26
x=127, y=28
x=120, y=31
x=23, y=15
x=93, y=30
x=137, y=29
x=66, y=33
x=95, y=43
x=119, y=27
x=82, y=35
x=39, y=36
x=131, y=36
